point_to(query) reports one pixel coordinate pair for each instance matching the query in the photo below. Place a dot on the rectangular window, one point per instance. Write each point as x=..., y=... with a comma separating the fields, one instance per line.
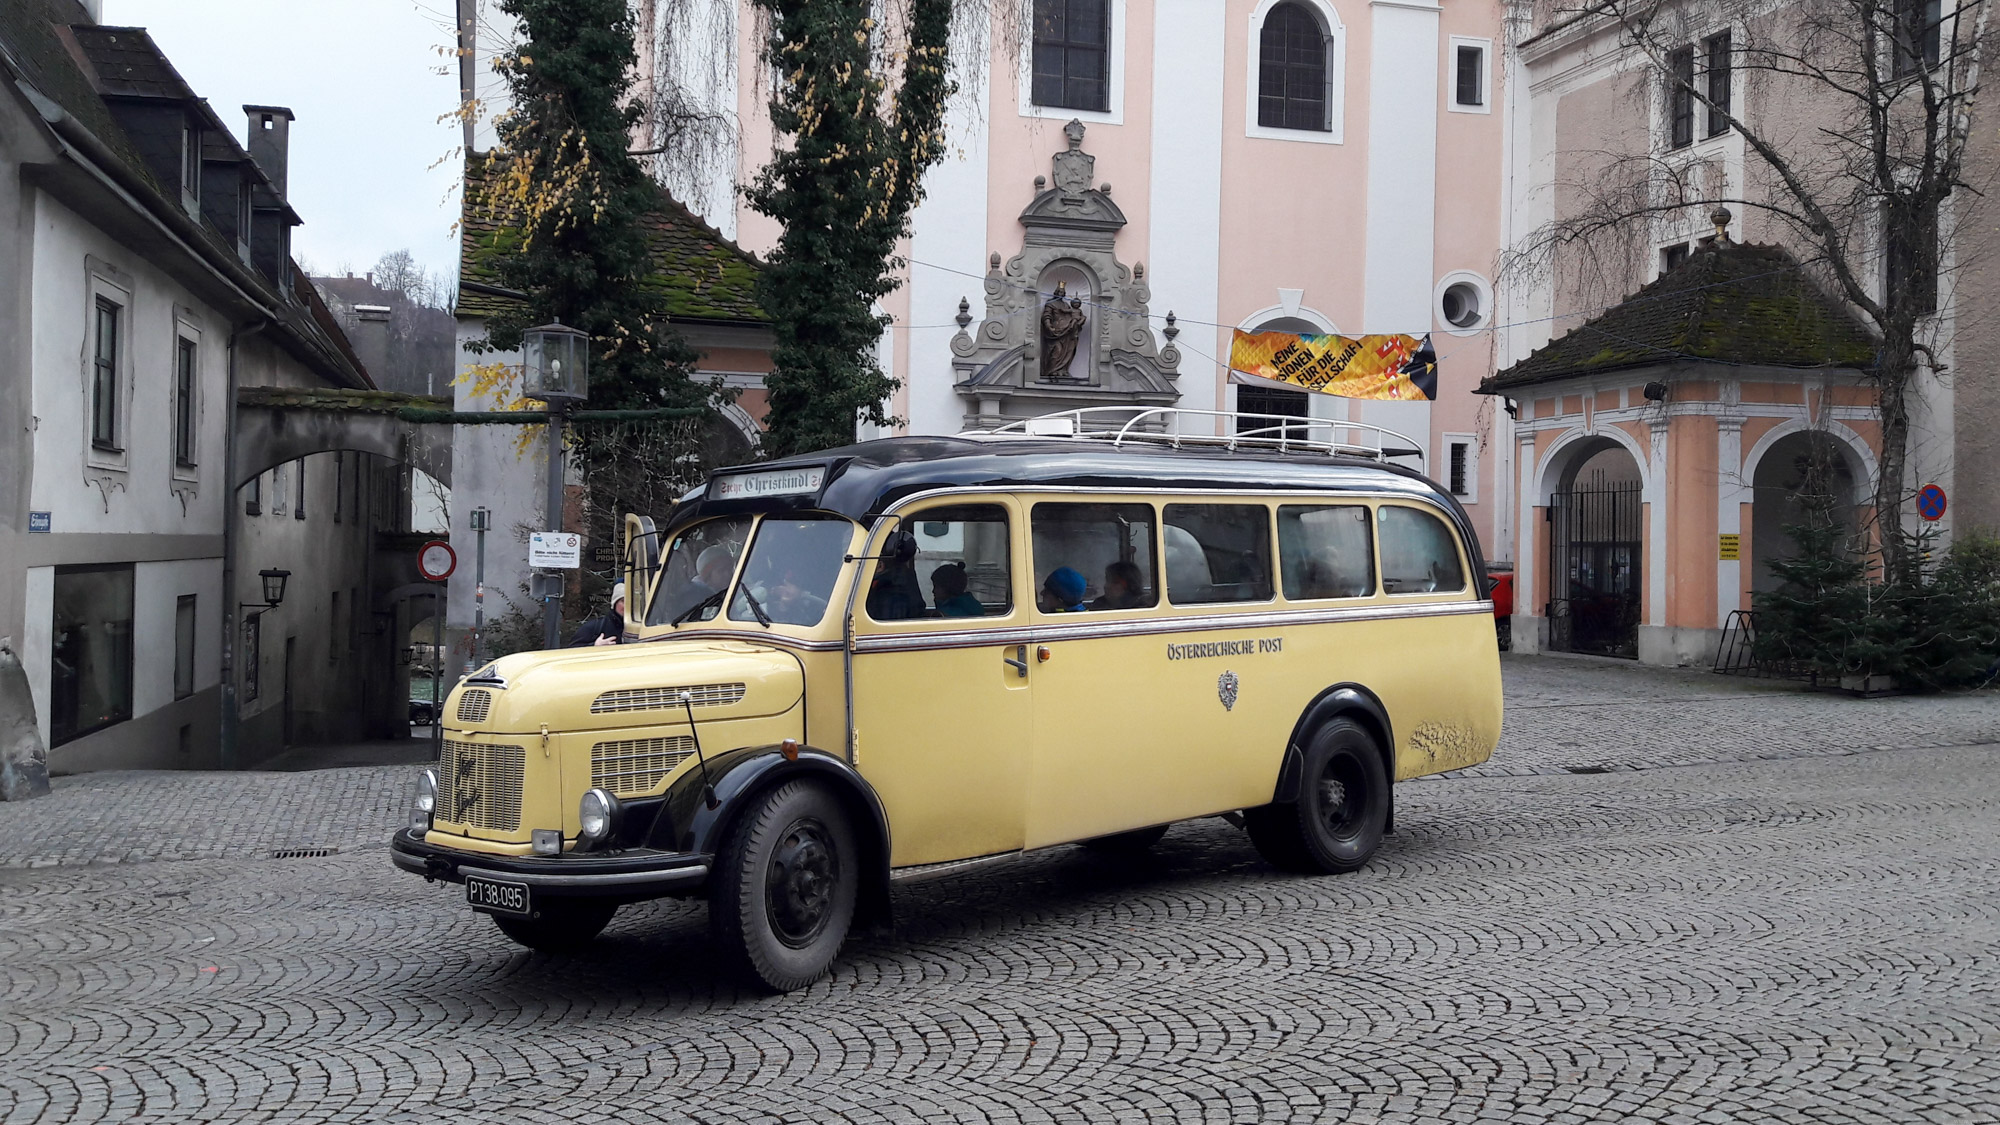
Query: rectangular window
x=333, y=629
x=185, y=383
x=1680, y=97
x=299, y=497
x=1672, y=256
x=1419, y=553
x=253, y=496
x=1072, y=54
x=253, y=654
x=191, y=161
x=245, y=212
x=1717, y=73
x=1218, y=553
x=1461, y=465
x=104, y=377
x=1094, y=557
x=90, y=650
x=1471, y=76
x=184, y=646
x=1910, y=260
x=961, y=566
x=339, y=483
x=1916, y=42
x=1325, y=551
x=1269, y=401
x=353, y=620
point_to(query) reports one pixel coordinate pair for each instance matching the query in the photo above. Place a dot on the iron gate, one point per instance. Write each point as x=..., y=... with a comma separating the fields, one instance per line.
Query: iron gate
x=1595, y=563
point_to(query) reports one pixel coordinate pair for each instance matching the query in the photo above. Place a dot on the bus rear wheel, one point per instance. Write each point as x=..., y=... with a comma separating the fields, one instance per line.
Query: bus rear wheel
x=785, y=887
x=1342, y=809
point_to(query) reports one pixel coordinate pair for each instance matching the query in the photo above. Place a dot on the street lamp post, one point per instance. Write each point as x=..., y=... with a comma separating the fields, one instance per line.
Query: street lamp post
x=556, y=370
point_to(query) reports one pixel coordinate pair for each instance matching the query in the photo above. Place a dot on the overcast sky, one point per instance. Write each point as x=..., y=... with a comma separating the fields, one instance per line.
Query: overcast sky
x=372, y=167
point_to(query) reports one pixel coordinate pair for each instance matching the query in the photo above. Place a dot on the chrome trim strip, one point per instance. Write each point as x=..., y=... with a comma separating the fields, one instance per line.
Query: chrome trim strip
x=670, y=878
x=1251, y=494
x=971, y=638
x=918, y=873
x=776, y=639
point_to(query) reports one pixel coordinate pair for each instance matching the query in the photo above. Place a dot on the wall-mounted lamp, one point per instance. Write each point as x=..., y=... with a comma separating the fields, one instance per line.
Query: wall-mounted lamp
x=1656, y=392
x=274, y=589
x=1513, y=408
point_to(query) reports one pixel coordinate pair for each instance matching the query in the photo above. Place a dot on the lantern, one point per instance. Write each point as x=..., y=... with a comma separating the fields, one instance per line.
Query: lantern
x=274, y=586
x=557, y=367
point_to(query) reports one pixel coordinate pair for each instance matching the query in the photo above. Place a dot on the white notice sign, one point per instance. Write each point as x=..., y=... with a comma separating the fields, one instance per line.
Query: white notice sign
x=771, y=482
x=555, y=549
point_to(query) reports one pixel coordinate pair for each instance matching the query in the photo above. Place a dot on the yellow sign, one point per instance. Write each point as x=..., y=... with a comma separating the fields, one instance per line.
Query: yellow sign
x=1732, y=547
x=1389, y=367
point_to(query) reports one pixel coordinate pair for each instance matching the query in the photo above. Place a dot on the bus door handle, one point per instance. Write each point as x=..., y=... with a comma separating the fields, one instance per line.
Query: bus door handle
x=1018, y=661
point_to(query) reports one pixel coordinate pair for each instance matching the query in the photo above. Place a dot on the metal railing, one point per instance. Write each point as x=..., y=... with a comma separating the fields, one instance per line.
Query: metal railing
x=1162, y=425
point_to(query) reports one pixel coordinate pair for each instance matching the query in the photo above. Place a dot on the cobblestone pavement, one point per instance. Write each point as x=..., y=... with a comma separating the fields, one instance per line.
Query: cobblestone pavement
x=1810, y=939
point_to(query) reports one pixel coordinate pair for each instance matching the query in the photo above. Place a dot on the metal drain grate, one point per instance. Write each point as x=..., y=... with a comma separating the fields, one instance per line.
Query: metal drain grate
x=303, y=853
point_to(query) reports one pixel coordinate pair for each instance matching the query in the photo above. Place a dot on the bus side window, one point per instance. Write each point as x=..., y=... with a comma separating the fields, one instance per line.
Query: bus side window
x=1109, y=545
x=1218, y=553
x=1419, y=553
x=1324, y=551
x=961, y=567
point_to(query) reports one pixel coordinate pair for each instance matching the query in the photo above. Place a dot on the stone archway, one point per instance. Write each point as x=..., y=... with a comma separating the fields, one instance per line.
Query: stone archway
x=1596, y=557
x=1782, y=481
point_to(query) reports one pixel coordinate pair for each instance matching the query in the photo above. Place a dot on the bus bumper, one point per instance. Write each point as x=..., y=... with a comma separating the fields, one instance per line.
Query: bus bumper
x=633, y=873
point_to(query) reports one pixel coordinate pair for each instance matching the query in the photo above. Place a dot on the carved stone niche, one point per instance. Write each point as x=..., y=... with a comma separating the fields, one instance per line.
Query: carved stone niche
x=1069, y=230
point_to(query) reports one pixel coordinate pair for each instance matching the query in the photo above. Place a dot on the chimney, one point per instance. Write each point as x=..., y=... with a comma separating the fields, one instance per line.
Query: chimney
x=370, y=337
x=270, y=137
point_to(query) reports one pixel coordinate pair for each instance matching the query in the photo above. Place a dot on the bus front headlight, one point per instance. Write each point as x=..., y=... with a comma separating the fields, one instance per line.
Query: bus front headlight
x=596, y=815
x=424, y=807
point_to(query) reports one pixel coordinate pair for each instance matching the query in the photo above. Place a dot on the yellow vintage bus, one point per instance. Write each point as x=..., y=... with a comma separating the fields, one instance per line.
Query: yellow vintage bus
x=915, y=655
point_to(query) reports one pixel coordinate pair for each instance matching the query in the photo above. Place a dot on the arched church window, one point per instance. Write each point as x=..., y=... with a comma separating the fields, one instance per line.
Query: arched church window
x=1292, y=69
x=1072, y=54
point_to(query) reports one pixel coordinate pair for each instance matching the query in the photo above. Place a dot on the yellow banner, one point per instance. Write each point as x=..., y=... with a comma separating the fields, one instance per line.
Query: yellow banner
x=1391, y=367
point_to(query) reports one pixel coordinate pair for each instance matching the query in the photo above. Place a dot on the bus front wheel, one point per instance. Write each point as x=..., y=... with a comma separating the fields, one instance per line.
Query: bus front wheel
x=785, y=887
x=1342, y=809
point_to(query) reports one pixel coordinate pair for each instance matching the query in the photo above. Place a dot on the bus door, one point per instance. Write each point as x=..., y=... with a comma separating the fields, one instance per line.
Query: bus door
x=942, y=699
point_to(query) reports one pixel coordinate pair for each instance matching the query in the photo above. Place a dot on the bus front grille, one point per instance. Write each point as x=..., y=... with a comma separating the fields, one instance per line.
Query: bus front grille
x=479, y=785
x=667, y=698
x=636, y=766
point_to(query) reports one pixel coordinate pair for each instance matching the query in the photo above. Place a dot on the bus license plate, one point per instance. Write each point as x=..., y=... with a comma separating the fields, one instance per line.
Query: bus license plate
x=496, y=897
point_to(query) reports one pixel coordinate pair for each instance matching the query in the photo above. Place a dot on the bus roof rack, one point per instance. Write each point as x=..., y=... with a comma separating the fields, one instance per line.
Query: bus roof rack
x=1153, y=426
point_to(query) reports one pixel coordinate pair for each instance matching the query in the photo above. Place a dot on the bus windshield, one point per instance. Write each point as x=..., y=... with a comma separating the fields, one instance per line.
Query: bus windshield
x=793, y=564
x=696, y=571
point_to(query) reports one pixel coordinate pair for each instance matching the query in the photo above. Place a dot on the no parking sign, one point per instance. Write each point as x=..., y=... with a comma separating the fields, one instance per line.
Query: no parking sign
x=1930, y=502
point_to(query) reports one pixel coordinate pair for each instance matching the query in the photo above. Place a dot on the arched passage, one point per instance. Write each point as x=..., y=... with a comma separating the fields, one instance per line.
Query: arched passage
x=1596, y=548
x=1804, y=476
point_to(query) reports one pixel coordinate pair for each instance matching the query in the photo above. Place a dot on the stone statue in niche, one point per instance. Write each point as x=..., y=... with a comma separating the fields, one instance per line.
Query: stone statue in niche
x=1063, y=319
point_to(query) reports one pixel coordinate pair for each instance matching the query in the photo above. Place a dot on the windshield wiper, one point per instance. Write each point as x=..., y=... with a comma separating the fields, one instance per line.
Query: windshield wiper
x=712, y=599
x=756, y=607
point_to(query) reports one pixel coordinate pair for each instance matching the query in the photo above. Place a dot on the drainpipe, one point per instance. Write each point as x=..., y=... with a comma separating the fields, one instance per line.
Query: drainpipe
x=226, y=750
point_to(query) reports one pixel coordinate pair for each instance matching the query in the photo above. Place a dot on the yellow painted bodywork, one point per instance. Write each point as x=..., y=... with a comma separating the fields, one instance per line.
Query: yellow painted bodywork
x=970, y=758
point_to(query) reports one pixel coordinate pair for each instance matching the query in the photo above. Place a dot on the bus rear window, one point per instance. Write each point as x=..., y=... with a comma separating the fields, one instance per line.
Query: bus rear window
x=1419, y=553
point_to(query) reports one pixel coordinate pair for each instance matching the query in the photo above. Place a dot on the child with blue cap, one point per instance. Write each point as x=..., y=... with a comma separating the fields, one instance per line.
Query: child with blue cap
x=1064, y=588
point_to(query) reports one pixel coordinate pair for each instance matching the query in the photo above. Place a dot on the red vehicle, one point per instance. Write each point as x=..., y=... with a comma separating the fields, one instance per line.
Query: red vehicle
x=1502, y=593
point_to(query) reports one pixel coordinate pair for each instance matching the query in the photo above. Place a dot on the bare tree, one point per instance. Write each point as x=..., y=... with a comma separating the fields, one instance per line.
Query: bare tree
x=1854, y=118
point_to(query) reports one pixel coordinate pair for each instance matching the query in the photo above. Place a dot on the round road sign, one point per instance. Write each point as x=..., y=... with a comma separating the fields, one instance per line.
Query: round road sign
x=1930, y=502
x=437, y=560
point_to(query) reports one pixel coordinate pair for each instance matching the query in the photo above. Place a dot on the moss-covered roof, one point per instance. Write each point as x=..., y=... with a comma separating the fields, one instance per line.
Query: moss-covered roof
x=702, y=275
x=338, y=399
x=1734, y=303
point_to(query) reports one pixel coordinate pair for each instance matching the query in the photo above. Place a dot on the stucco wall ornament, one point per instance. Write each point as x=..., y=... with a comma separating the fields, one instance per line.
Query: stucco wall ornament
x=1013, y=364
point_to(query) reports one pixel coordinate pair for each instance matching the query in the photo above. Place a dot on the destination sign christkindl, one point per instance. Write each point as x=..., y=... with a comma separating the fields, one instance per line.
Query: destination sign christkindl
x=772, y=482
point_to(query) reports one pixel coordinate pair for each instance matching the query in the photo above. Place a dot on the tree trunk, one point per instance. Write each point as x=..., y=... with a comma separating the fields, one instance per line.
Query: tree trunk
x=1893, y=379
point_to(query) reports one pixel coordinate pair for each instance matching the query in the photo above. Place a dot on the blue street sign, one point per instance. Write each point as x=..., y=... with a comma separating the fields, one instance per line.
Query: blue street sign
x=38, y=523
x=1930, y=502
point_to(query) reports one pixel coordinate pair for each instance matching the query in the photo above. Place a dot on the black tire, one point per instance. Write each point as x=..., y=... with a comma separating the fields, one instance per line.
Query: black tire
x=562, y=925
x=1136, y=842
x=785, y=886
x=1342, y=810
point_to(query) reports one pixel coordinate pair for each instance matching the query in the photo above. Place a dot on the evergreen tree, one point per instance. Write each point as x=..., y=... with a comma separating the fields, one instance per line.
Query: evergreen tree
x=569, y=201
x=1819, y=617
x=843, y=184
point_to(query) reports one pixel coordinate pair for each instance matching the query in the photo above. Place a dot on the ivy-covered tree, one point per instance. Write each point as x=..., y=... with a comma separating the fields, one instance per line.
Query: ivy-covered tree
x=848, y=171
x=568, y=199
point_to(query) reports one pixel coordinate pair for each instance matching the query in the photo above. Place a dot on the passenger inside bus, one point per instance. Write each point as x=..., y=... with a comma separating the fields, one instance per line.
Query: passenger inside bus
x=1123, y=588
x=895, y=595
x=948, y=591
x=1063, y=590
